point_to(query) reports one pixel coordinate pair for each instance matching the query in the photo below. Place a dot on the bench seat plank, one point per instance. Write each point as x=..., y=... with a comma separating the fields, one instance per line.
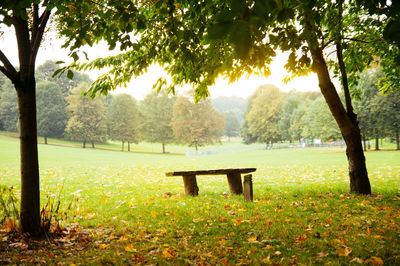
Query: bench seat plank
x=213, y=172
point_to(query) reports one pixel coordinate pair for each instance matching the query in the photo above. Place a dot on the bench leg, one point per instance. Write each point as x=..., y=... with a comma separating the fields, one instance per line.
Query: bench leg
x=190, y=183
x=248, y=188
x=235, y=183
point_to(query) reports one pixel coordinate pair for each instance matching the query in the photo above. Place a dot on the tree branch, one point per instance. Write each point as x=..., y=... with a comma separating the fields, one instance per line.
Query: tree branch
x=35, y=21
x=8, y=67
x=38, y=36
x=7, y=74
x=355, y=40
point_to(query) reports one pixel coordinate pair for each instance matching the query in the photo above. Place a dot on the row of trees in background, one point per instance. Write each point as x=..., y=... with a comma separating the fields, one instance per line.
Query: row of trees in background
x=63, y=112
x=271, y=115
x=274, y=116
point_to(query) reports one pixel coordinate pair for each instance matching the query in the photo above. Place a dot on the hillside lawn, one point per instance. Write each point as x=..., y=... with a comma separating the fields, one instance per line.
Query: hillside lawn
x=132, y=213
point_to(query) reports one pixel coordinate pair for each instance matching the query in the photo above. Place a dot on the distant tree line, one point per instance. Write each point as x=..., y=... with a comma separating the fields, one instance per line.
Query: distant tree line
x=273, y=116
x=62, y=112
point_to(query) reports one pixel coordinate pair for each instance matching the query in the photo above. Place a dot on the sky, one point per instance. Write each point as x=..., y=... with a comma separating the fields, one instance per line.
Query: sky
x=140, y=86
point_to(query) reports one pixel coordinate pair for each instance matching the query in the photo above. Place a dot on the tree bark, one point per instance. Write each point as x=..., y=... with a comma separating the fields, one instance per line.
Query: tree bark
x=397, y=140
x=84, y=144
x=123, y=146
x=163, y=148
x=359, y=182
x=92, y=144
x=129, y=146
x=45, y=139
x=377, y=142
x=30, y=192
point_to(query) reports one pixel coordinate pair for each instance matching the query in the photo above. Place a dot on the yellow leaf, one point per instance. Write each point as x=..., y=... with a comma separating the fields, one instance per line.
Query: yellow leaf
x=103, y=246
x=252, y=239
x=129, y=248
x=168, y=254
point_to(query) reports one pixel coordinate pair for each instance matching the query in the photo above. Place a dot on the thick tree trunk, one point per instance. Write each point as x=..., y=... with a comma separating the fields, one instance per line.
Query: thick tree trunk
x=377, y=142
x=397, y=140
x=30, y=192
x=359, y=182
x=45, y=139
x=92, y=144
x=163, y=148
x=84, y=144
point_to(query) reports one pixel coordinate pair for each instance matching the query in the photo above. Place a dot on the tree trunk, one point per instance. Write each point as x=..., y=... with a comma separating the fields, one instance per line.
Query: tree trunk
x=30, y=192
x=123, y=144
x=92, y=144
x=397, y=140
x=84, y=144
x=129, y=146
x=359, y=182
x=377, y=142
x=163, y=148
x=45, y=139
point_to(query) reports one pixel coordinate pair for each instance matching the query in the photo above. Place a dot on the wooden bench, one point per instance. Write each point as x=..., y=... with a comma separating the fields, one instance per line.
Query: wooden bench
x=233, y=175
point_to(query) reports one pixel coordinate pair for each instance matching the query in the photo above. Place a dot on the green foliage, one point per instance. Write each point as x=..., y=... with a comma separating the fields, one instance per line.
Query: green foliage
x=8, y=108
x=264, y=114
x=45, y=72
x=51, y=112
x=231, y=124
x=156, y=111
x=122, y=119
x=196, y=124
x=237, y=105
x=319, y=122
x=378, y=113
x=86, y=117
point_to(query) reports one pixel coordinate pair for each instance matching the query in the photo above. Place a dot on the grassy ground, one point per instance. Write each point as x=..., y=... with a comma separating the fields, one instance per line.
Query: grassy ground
x=302, y=212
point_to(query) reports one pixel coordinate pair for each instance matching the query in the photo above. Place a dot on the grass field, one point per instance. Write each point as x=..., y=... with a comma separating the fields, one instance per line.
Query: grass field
x=302, y=211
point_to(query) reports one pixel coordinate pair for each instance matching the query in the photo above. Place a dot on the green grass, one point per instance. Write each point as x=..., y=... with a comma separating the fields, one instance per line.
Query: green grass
x=302, y=210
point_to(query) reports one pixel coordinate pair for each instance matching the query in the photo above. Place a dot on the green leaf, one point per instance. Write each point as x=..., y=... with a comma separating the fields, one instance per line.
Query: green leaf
x=70, y=74
x=392, y=31
x=219, y=30
x=225, y=16
x=241, y=39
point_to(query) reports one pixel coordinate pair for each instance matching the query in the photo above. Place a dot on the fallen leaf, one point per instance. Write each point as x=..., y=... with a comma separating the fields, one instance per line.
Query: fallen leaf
x=322, y=254
x=357, y=260
x=344, y=251
x=129, y=248
x=374, y=261
x=103, y=246
x=168, y=254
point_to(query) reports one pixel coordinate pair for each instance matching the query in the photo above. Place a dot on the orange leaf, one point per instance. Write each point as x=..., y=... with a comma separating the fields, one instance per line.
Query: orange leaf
x=344, y=252
x=374, y=260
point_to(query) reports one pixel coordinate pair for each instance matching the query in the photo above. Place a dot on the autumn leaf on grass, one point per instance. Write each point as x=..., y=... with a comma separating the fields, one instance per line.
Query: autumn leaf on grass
x=344, y=251
x=374, y=261
x=168, y=254
x=129, y=248
x=103, y=246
